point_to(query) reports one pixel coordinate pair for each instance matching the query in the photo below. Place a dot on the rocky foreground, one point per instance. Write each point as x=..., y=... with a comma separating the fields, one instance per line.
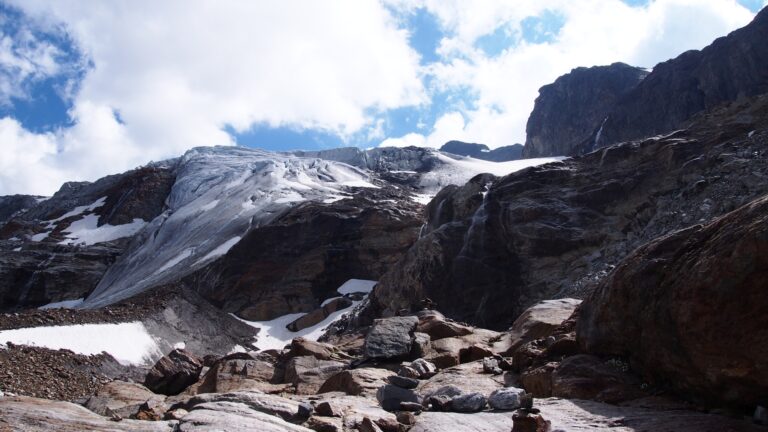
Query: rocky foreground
x=421, y=372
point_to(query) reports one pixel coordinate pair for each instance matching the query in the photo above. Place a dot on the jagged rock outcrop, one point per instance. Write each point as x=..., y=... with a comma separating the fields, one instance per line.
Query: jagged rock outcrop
x=688, y=310
x=548, y=231
x=481, y=151
x=565, y=112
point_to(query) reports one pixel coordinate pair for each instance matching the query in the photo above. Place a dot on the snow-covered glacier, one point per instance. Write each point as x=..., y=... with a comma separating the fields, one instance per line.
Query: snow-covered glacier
x=220, y=193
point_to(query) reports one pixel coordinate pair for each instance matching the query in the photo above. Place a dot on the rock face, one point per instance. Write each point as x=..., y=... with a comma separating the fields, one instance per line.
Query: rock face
x=565, y=112
x=174, y=372
x=687, y=309
x=732, y=67
x=11, y=205
x=264, y=276
x=550, y=230
x=71, y=272
x=481, y=151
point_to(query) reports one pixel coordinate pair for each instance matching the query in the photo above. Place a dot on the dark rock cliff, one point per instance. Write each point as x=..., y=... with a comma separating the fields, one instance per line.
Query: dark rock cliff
x=566, y=112
x=551, y=230
x=732, y=67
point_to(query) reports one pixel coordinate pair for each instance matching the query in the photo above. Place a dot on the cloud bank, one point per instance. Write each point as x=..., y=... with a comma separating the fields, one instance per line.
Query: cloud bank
x=161, y=77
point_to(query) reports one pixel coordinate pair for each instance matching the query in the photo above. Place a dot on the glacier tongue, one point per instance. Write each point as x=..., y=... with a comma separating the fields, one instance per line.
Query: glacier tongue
x=219, y=193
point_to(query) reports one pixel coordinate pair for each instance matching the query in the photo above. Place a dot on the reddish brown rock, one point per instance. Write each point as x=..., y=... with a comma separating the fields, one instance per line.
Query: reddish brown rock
x=688, y=309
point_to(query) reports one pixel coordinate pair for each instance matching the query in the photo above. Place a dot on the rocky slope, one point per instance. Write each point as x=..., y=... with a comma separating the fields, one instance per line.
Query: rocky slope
x=565, y=112
x=493, y=247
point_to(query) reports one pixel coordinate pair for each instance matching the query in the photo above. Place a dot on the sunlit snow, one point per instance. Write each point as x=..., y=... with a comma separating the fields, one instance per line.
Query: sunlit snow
x=128, y=343
x=86, y=230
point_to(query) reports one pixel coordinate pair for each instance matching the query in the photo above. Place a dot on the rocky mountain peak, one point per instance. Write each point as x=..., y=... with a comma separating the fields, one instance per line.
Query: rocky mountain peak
x=566, y=111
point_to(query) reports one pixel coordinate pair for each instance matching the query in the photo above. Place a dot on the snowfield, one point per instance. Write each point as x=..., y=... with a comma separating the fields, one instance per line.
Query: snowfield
x=128, y=343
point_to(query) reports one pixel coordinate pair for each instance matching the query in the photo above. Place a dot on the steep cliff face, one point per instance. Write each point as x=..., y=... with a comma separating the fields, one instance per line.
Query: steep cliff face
x=551, y=230
x=732, y=67
x=566, y=111
x=687, y=310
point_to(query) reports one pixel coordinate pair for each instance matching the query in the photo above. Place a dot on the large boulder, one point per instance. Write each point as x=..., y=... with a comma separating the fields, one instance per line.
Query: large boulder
x=233, y=416
x=537, y=322
x=174, y=373
x=688, y=310
x=121, y=398
x=390, y=338
x=357, y=382
x=239, y=371
x=307, y=374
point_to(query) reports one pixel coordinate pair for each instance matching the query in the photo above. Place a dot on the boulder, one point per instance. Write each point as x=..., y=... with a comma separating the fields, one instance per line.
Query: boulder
x=390, y=397
x=403, y=382
x=239, y=371
x=528, y=422
x=439, y=328
x=467, y=378
x=538, y=322
x=121, y=398
x=424, y=368
x=507, y=398
x=305, y=347
x=687, y=309
x=468, y=403
x=356, y=382
x=308, y=374
x=390, y=338
x=174, y=373
x=355, y=409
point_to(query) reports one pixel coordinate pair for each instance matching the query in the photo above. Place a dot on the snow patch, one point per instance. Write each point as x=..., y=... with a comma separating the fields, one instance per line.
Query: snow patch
x=66, y=304
x=210, y=206
x=328, y=301
x=274, y=335
x=86, y=231
x=186, y=253
x=222, y=249
x=80, y=210
x=40, y=237
x=129, y=343
x=18, y=249
x=356, y=286
x=179, y=345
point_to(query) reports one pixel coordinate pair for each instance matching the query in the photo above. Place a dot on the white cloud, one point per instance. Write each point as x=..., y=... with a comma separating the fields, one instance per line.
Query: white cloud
x=178, y=72
x=596, y=32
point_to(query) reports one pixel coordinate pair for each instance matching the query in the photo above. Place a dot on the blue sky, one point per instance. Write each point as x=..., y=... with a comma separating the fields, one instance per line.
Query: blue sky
x=89, y=88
